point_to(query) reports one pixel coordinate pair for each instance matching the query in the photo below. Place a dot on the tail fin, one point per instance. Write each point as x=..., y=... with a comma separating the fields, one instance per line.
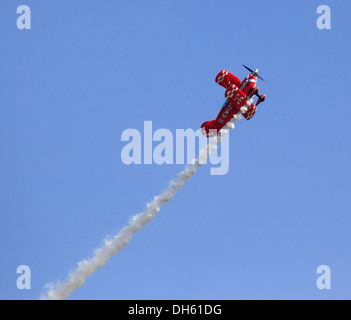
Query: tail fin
x=207, y=126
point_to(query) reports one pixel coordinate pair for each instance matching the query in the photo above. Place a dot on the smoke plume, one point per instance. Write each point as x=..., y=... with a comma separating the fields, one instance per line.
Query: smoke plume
x=110, y=248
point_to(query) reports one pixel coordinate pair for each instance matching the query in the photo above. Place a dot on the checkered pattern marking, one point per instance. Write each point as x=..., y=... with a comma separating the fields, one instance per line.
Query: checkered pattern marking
x=230, y=92
x=250, y=112
x=221, y=76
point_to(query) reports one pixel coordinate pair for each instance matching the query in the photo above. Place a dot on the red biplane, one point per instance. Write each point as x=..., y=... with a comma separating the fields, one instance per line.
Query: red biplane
x=239, y=96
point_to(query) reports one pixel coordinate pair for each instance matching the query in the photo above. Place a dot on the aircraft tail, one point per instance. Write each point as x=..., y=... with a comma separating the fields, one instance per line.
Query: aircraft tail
x=208, y=127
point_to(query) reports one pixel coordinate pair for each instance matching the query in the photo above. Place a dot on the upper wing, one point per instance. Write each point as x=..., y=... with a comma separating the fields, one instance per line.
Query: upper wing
x=225, y=79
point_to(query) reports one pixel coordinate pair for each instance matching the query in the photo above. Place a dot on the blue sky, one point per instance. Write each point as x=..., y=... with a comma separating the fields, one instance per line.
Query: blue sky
x=88, y=70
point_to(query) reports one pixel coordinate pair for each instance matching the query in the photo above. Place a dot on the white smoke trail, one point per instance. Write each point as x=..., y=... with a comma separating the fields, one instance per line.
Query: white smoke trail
x=111, y=246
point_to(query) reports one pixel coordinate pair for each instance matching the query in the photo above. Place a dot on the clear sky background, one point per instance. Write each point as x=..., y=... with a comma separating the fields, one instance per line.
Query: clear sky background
x=88, y=70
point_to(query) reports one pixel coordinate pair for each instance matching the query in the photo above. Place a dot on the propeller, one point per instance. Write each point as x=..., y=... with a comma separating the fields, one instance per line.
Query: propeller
x=255, y=73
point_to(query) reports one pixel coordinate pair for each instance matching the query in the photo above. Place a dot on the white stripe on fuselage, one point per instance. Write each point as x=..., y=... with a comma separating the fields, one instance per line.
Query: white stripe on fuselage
x=246, y=81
